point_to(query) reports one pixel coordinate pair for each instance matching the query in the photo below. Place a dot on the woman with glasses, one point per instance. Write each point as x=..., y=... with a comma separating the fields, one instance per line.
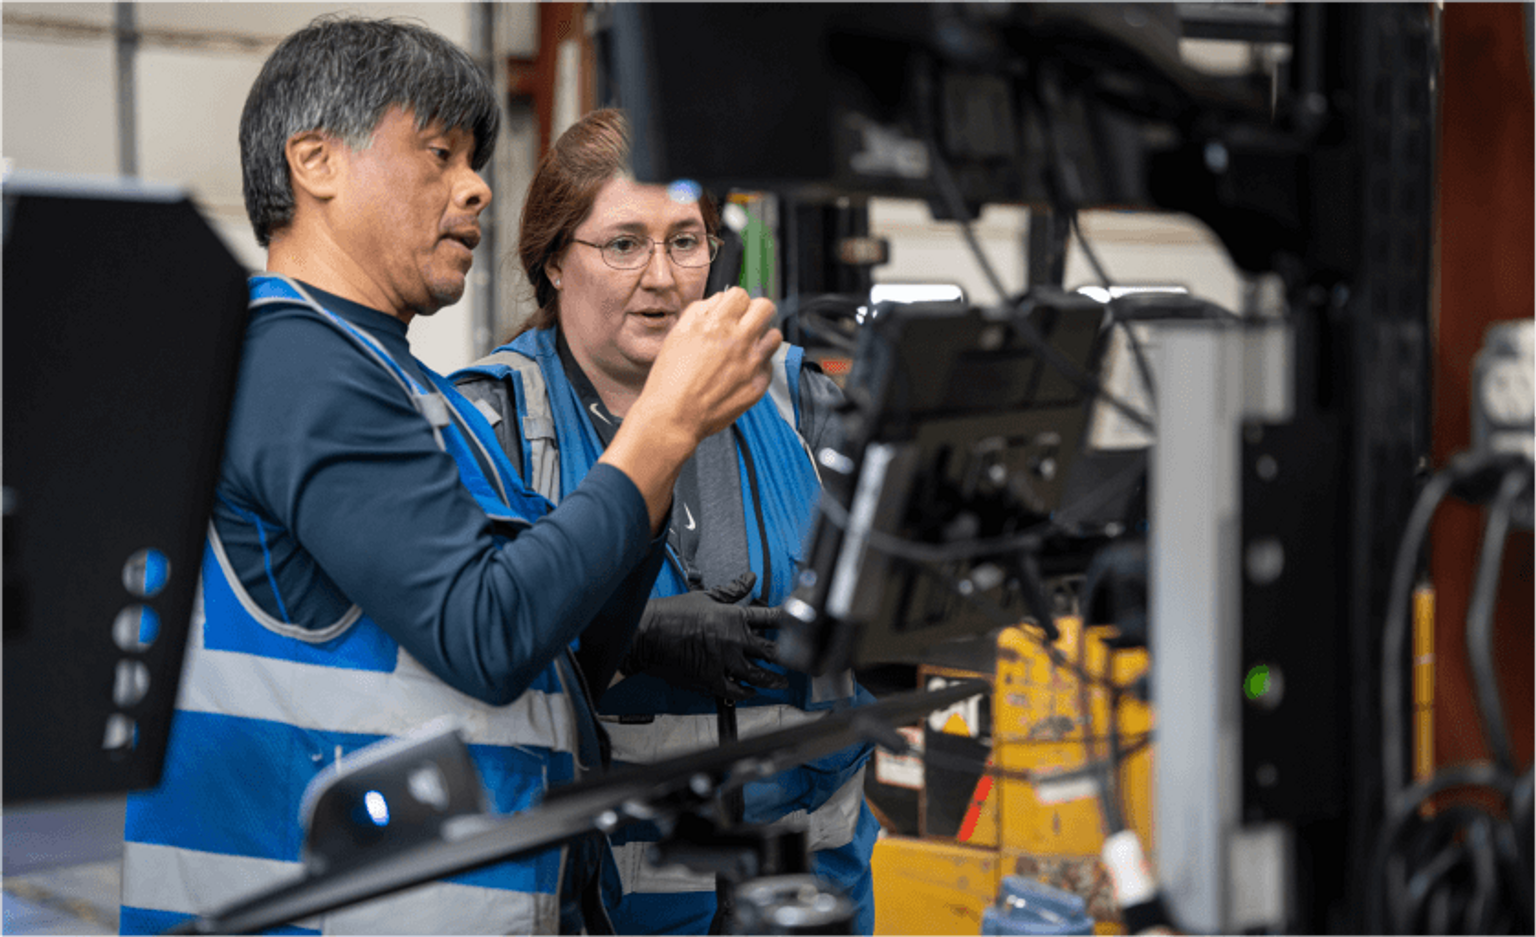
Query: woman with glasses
x=613, y=262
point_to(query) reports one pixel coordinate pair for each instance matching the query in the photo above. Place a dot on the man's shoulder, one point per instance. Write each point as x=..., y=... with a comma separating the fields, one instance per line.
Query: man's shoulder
x=295, y=332
x=293, y=353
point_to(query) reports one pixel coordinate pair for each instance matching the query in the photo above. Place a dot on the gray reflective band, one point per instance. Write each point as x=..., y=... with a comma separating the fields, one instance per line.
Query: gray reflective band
x=535, y=427
x=538, y=422
x=488, y=411
x=778, y=387
x=433, y=407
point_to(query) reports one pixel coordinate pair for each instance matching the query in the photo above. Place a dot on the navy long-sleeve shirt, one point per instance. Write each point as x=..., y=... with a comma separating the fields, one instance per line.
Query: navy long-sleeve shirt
x=333, y=492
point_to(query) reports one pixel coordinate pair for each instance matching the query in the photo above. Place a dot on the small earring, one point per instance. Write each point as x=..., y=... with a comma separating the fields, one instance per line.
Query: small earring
x=557, y=283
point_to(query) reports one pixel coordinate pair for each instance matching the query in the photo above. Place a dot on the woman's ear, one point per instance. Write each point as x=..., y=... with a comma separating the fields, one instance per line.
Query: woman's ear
x=314, y=164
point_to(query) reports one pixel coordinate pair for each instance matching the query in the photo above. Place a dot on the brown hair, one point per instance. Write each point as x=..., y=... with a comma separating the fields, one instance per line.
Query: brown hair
x=594, y=150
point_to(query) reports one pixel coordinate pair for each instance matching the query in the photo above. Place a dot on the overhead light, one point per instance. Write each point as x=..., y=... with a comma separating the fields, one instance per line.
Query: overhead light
x=1100, y=294
x=915, y=293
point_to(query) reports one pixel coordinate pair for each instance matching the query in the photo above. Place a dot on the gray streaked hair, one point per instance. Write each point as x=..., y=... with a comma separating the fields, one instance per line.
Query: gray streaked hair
x=340, y=75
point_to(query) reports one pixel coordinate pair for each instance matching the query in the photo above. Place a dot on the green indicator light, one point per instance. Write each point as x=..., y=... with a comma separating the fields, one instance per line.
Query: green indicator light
x=1256, y=684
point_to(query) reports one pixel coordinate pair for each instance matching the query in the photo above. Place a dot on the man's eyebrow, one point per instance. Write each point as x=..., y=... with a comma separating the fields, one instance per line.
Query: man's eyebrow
x=438, y=129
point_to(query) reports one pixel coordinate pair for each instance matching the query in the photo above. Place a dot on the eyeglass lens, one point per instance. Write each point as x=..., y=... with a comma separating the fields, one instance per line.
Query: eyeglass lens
x=628, y=253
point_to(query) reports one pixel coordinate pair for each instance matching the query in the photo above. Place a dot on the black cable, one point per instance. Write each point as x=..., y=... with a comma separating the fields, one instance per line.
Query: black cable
x=848, y=302
x=1117, y=755
x=806, y=315
x=1111, y=305
x=1108, y=770
x=1469, y=476
x=1003, y=619
x=1447, y=833
x=1507, y=842
x=1485, y=682
x=949, y=191
x=1466, y=475
x=1088, y=251
x=922, y=557
x=765, y=587
x=824, y=332
x=1085, y=382
x=1479, y=844
x=1088, y=383
x=1524, y=842
x=915, y=551
x=1395, y=629
x=1089, y=769
x=1067, y=192
x=1423, y=883
x=1065, y=518
x=1403, y=809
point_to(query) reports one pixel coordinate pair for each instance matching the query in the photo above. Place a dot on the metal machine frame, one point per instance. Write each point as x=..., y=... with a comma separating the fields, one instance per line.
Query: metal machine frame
x=1323, y=194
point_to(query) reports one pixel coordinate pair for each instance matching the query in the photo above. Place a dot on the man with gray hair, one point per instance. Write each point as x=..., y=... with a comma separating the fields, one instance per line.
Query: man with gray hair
x=373, y=561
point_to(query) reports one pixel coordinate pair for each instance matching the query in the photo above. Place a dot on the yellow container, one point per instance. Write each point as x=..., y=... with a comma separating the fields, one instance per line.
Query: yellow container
x=925, y=886
x=1044, y=723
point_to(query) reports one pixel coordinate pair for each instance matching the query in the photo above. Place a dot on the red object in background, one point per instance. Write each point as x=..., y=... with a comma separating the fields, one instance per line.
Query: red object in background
x=533, y=80
x=1486, y=274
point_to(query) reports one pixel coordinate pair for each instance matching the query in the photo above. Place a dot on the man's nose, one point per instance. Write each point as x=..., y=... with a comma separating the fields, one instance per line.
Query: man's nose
x=474, y=193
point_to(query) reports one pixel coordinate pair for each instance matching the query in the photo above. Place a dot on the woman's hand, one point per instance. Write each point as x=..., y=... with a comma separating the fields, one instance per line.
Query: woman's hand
x=712, y=367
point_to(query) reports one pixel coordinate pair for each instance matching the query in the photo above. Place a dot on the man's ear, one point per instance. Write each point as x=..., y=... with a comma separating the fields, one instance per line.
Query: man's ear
x=314, y=164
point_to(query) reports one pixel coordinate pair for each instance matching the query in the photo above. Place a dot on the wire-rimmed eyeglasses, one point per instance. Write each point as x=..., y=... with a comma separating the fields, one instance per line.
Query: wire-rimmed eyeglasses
x=631, y=251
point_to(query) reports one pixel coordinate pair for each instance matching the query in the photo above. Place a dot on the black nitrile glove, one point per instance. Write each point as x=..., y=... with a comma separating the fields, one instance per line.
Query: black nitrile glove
x=703, y=641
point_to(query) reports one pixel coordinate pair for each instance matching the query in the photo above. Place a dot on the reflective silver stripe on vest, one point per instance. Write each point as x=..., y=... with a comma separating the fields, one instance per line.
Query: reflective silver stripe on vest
x=260, y=616
x=434, y=407
x=638, y=875
x=492, y=418
x=831, y=825
x=778, y=388
x=828, y=827
x=673, y=734
x=312, y=696
x=778, y=391
x=449, y=908
x=538, y=424
x=187, y=881
x=204, y=882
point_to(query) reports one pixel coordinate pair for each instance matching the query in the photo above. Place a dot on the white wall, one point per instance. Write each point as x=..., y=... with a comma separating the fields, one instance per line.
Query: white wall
x=195, y=64
x=1136, y=248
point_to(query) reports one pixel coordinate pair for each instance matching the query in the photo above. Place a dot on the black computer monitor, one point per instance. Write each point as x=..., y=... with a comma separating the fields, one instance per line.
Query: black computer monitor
x=123, y=318
x=964, y=424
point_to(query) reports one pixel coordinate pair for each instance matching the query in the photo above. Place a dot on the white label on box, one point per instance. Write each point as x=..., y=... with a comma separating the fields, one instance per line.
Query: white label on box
x=902, y=770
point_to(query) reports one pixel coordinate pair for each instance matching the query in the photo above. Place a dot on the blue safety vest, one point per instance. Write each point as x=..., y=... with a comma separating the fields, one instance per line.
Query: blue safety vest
x=824, y=795
x=265, y=705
